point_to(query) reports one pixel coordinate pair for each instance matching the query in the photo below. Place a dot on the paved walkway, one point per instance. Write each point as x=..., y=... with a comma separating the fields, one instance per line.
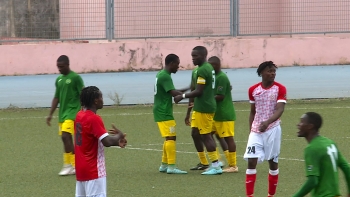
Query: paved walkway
x=137, y=87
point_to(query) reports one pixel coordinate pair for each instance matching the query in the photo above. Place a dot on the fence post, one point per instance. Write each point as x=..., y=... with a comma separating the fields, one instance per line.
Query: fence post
x=234, y=17
x=112, y=19
x=108, y=20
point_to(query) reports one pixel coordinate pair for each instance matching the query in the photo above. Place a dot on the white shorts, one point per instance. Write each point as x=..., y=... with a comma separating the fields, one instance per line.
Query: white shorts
x=264, y=146
x=93, y=188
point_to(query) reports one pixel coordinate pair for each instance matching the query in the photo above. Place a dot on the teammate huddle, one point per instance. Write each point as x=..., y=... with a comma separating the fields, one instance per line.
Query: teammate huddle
x=213, y=114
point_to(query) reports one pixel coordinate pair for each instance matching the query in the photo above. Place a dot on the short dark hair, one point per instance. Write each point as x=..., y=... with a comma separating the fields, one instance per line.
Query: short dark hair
x=201, y=49
x=315, y=119
x=171, y=58
x=214, y=59
x=88, y=96
x=64, y=59
x=263, y=65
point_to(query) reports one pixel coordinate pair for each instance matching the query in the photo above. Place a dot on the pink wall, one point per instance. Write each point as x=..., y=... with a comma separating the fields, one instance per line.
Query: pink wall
x=138, y=55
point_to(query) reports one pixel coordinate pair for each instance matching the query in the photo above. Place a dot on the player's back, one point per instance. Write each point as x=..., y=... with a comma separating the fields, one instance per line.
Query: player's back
x=324, y=153
x=68, y=95
x=89, y=150
x=224, y=109
x=206, y=102
x=163, y=106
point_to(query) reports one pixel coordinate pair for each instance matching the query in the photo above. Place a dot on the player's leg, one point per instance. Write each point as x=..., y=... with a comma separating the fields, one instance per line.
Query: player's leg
x=222, y=142
x=80, y=189
x=96, y=187
x=254, y=153
x=272, y=145
x=198, y=143
x=167, y=129
x=67, y=131
x=205, y=124
x=227, y=132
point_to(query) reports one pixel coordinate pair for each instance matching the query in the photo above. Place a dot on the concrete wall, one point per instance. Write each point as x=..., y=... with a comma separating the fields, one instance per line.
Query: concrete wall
x=141, y=55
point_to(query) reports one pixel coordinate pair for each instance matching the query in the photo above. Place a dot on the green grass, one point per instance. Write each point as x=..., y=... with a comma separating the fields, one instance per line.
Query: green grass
x=31, y=154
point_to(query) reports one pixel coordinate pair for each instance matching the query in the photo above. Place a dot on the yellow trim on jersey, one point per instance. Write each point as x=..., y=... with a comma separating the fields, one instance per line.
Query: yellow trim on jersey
x=200, y=80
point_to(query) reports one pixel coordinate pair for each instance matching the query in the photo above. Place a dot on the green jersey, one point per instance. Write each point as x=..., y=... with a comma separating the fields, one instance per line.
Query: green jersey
x=225, y=110
x=194, y=77
x=68, y=88
x=206, y=102
x=163, y=104
x=322, y=159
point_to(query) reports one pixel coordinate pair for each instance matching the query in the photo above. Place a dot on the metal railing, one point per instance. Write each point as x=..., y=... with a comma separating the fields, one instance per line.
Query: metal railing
x=46, y=20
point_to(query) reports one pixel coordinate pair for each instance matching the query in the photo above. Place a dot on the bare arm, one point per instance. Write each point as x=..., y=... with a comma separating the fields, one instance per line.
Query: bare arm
x=197, y=92
x=175, y=93
x=54, y=105
x=183, y=90
x=219, y=97
x=113, y=140
x=251, y=115
x=278, y=113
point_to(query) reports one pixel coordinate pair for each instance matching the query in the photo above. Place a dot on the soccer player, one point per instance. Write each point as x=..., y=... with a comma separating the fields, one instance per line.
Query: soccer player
x=225, y=116
x=322, y=159
x=90, y=139
x=204, y=105
x=267, y=100
x=164, y=90
x=68, y=87
x=196, y=137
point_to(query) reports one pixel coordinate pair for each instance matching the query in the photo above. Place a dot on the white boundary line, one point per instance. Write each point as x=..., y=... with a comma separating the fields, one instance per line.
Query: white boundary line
x=189, y=152
x=140, y=114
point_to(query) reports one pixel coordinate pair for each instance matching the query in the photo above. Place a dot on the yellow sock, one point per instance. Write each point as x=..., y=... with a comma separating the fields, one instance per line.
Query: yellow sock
x=232, y=159
x=213, y=156
x=170, y=147
x=227, y=156
x=164, y=156
x=66, y=158
x=217, y=152
x=72, y=159
x=203, y=158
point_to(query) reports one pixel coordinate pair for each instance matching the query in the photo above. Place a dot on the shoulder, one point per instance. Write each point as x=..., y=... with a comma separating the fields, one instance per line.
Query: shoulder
x=253, y=87
x=279, y=85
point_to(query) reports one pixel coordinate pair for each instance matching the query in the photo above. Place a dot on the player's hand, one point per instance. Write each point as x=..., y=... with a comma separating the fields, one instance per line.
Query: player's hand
x=48, y=120
x=263, y=126
x=114, y=130
x=187, y=120
x=177, y=98
x=123, y=142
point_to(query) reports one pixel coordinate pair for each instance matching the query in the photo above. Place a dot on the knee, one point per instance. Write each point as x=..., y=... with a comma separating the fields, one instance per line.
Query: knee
x=195, y=134
x=170, y=138
x=66, y=137
x=252, y=163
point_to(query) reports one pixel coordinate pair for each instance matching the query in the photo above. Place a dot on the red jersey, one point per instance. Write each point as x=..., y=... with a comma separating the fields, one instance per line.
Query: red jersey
x=88, y=148
x=265, y=103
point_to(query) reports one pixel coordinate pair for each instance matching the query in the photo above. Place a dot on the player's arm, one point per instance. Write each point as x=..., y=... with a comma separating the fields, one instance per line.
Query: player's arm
x=183, y=90
x=199, y=89
x=344, y=166
x=312, y=162
x=252, y=107
x=114, y=140
x=117, y=137
x=308, y=186
x=189, y=107
x=220, y=88
x=54, y=104
x=251, y=115
x=278, y=113
x=281, y=101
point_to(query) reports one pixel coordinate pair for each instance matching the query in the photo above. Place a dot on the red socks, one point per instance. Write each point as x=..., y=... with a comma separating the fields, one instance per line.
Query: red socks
x=273, y=179
x=250, y=181
x=251, y=178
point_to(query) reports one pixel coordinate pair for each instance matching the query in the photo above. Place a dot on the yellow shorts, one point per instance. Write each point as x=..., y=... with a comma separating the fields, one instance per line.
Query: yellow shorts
x=204, y=122
x=193, y=123
x=66, y=126
x=167, y=128
x=224, y=129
